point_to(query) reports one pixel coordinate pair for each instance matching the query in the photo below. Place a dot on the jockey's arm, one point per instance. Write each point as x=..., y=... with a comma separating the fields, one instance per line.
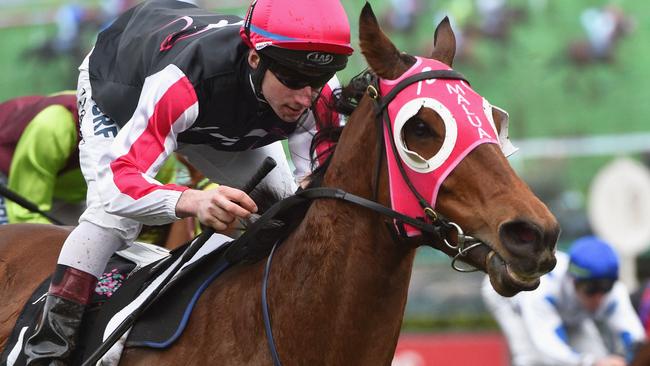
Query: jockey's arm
x=622, y=320
x=43, y=150
x=167, y=106
x=547, y=332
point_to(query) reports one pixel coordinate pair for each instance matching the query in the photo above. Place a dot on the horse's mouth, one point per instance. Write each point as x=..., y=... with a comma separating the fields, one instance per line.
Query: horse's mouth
x=506, y=281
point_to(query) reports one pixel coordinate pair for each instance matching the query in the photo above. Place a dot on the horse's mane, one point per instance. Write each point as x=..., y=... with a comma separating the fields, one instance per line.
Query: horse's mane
x=343, y=101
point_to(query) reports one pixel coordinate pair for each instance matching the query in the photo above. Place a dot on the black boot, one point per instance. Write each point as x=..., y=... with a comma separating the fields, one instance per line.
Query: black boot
x=55, y=336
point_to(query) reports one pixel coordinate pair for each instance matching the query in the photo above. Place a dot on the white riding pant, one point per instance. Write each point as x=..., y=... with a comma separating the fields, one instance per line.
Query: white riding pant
x=228, y=168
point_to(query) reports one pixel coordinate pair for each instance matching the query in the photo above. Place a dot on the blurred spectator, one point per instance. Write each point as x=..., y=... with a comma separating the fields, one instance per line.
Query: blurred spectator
x=491, y=15
x=496, y=18
x=600, y=26
x=604, y=27
x=401, y=15
x=580, y=314
x=68, y=20
x=459, y=13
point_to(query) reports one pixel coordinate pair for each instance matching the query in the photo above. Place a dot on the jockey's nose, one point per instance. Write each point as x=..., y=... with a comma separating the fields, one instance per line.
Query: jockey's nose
x=304, y=96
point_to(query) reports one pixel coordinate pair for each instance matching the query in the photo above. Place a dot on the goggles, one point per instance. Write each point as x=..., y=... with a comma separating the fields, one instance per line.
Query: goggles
x=295, y=80
x=593, y=287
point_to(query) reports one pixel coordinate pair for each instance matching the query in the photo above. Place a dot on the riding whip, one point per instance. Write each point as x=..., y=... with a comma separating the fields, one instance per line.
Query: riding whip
x=25, y=203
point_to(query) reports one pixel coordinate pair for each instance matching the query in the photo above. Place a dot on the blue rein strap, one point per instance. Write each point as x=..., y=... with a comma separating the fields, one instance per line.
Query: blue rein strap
x=265, y=309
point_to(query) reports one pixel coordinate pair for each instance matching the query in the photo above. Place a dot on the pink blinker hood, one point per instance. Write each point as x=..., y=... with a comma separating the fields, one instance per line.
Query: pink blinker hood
x=468, y=123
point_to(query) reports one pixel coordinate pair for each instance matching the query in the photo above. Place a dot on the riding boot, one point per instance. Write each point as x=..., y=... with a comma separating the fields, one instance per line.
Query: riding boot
x=55, y=337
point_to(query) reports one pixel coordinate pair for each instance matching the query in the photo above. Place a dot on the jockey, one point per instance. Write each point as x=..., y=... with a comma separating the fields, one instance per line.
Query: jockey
x=39, y=158
x=169, y=76
x=580, y=314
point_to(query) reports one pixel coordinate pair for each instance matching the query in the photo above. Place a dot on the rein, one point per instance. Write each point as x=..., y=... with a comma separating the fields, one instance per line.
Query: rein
x=438, y=229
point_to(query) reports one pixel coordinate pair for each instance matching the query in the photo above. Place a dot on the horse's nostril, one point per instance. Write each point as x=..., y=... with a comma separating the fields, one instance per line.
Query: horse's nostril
x=525, y=234
x=528, y=246
x=520, y=232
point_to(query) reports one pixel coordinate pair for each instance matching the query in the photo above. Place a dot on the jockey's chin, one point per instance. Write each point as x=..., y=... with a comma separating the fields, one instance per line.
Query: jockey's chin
x=288, y=104
x=290, y=114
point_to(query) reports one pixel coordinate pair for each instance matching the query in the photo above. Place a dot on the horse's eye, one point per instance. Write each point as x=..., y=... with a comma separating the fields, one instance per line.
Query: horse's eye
x=421, y=129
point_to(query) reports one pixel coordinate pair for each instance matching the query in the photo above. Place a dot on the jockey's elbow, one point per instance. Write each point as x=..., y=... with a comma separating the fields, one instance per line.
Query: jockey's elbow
x=111, y=206
x=144, y=215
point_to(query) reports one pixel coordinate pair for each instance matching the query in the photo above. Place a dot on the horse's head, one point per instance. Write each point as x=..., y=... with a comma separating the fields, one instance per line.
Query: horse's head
x=445, y=149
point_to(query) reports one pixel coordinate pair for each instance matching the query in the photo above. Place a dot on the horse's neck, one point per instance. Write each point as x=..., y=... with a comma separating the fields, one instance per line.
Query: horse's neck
x=342, y=269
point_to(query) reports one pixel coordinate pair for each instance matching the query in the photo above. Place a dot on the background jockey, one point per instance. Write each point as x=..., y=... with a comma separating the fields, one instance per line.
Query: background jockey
x=165, y=76
x=580, y=314
x=38, y=151
x=39, y=157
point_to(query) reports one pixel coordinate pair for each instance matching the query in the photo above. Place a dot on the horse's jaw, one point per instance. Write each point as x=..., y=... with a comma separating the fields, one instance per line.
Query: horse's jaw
x=505, y=281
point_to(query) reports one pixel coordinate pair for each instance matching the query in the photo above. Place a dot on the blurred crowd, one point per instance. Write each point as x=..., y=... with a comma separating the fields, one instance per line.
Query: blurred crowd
x=473, y=20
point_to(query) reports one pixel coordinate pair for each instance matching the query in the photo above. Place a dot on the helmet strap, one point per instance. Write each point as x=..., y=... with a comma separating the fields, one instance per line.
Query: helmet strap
x=257, y=75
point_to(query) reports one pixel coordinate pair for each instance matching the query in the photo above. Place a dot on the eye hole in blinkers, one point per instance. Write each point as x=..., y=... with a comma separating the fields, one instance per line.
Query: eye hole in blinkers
x=406, y=121
x=418, y=128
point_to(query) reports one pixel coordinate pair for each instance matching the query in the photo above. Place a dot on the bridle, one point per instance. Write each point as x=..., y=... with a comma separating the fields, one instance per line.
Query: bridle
x=434, y=226
x=438, y=223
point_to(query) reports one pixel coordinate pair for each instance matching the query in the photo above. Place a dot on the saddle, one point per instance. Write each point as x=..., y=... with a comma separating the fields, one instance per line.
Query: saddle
x=133, y=273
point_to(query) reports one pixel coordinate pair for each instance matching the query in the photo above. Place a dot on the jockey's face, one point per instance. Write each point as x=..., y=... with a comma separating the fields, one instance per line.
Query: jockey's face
x=592, y=293
x=288, y=104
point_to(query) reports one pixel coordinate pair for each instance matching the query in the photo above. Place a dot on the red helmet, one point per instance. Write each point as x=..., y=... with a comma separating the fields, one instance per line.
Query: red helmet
x=317, y=30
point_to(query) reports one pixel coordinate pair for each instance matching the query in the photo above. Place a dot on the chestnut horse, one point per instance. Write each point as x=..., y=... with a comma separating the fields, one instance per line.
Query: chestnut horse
x=338, y=285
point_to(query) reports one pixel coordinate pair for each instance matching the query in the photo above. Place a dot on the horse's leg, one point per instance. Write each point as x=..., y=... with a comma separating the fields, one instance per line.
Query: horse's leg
x=28, y=254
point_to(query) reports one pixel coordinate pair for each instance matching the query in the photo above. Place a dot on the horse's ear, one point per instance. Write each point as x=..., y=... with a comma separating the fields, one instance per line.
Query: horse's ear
x=380, y=53
x=444, y=43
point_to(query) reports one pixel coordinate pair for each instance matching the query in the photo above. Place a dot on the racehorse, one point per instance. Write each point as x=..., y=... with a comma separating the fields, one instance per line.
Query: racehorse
x=338, y=284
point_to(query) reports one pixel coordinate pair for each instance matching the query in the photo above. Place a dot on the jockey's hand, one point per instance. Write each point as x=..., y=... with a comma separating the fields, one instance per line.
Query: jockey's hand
x=611, y=360
x=217, y=208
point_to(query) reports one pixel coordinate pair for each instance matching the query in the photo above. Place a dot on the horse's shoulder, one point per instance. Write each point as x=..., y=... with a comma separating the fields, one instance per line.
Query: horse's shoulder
x=21, y=238
x=19, y=229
